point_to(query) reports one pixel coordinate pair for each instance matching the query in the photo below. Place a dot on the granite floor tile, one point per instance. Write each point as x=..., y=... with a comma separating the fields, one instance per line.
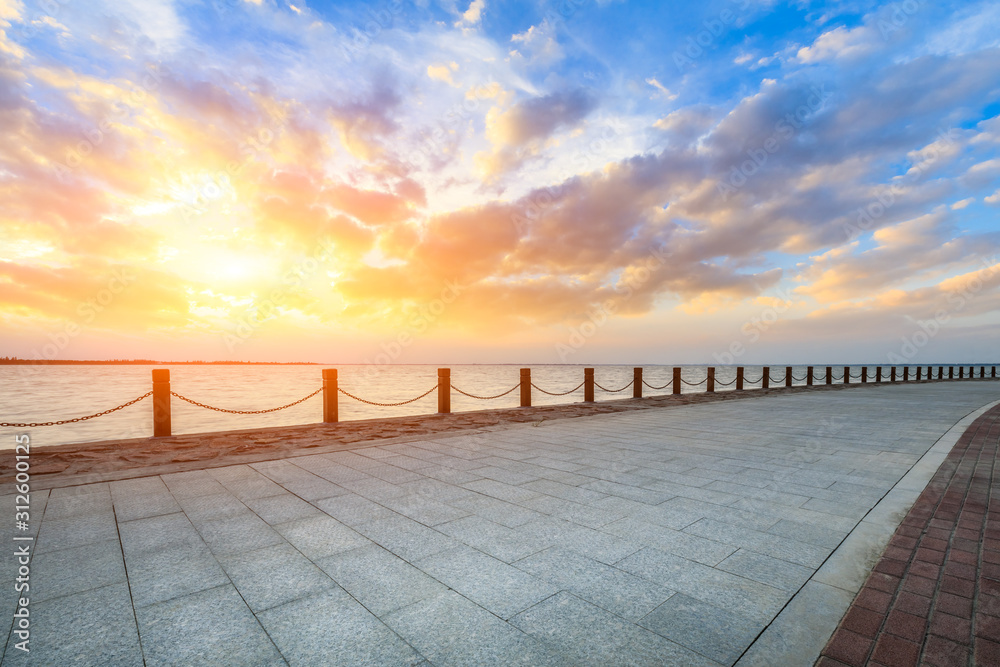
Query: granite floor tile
x=449, y=630
x=210, y=627
x=380, y=580
x=588, y=635
x=492, y=584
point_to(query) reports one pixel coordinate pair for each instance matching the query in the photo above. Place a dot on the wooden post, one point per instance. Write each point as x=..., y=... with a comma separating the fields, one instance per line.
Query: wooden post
x=982, y=372
x=710, y=385
x=892, y=374
x=940, y=372
x=331, y=413
x=920, y=372
x=766, y=379
x=864, y=374
x=637, y=382
x=847, y=375
x=906, y=373
x=878, y=374
x=961, y=372
x=161, y=402
x=444, y=391
x=788, y=376
x=829, y=374
x=739, y=378
x=677, y=380
x=993, y=373
x=809, y=376
x=951, y=372
x=525, y=387
x=588, y=385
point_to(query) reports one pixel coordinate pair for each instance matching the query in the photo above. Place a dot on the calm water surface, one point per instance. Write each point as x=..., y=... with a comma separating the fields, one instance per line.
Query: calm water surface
x=53, y=393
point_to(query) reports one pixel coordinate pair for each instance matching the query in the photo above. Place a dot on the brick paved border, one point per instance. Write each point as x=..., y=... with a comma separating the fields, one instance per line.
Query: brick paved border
x=934, y=596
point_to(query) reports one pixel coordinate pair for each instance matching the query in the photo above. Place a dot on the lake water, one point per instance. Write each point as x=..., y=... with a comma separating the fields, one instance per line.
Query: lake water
x=52, y=393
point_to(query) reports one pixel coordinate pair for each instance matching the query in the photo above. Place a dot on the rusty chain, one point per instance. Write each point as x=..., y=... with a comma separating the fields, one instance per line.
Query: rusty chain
x=614, y=391
x=725, y=384
x=562, y=394
x=658, y=388
x=244, y=412
x=78, y=419
x=486, y=398
x=694, y=384
x=386, y=405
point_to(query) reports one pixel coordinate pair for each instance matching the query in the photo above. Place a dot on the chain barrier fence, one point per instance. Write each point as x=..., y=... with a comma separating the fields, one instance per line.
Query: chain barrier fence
x=330, y=390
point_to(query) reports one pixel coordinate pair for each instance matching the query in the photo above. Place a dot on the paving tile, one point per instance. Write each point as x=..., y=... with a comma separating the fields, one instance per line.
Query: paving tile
x=212, y=507
x=492, y=584
x=819, y=535
x=407, y=538
x=722, y=589
x=314, y=489
x=588, y=635
x=95, y=627
x=767, y=570
x=715, y=633
x=75, y=531
x=506, y=544
x=793, y=551
x=603, y=585
x=449, y=630
x=226, y=631
x=281, y=508
x=320, y=536
x=237, y=534
x=595, y=544
x=499, y=490
x=194, y=483
x=324, y=630
x=56, y=574
x=380, y=580
x=635, y=493
x=584, y=515
x=351, y=509
x=497, y=511
x=275, y=575
x=676, y=542
x=79, y=505
x=425, y=510
x=157, y=576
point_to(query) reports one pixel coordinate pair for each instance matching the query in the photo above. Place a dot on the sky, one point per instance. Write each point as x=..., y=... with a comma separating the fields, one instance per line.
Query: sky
x=439, y=181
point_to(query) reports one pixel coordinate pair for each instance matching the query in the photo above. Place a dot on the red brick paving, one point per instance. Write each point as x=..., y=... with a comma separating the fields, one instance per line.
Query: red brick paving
x=934, y=596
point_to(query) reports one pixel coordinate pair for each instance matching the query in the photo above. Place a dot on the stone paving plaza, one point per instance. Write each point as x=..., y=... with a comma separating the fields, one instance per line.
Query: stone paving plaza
x=710, y=534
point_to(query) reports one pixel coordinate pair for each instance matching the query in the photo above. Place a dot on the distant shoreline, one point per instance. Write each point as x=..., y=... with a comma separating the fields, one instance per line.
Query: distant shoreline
x=147, y=362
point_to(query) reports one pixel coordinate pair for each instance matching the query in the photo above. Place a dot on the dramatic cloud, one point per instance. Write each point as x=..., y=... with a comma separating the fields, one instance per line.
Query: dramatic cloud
x=329, y=173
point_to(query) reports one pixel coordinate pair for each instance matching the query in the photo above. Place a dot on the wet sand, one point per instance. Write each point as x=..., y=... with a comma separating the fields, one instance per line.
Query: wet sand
x=108, y=460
